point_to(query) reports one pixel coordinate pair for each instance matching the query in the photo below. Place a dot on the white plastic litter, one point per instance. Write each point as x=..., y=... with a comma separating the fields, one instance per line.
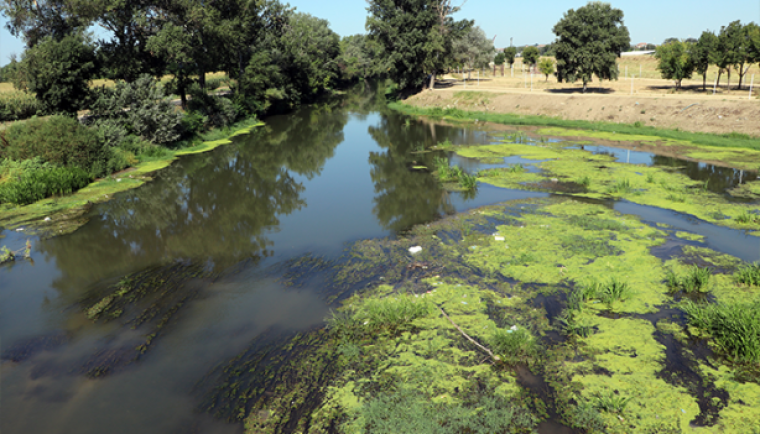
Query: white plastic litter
x=414, y=250
x=513, y=328
x=47, y=219
x=498, y=238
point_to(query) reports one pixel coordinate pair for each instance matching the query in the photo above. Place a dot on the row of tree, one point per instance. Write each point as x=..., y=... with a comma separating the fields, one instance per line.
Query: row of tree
x=272, y=53
x=735, y=48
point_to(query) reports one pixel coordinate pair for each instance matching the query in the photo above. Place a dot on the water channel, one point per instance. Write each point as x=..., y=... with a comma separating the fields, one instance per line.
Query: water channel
x=311, y=181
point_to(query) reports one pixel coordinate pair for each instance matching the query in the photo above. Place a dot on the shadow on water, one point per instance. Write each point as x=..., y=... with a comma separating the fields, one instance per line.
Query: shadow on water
x=539, y=388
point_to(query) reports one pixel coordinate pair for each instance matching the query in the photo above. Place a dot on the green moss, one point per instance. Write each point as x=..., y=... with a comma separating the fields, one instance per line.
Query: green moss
x=689, y=236
x=627, y=349
x=743, y=410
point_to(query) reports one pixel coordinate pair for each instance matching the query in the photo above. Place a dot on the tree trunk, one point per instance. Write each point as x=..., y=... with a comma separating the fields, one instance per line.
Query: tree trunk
x=704, y=81
x=742, y=73
x=494, y=70
x=432, y=81
x=502, y=70
x=584, y=87
x=728, y=83
x=720, y=72
x=202, y=78
x=469, y=74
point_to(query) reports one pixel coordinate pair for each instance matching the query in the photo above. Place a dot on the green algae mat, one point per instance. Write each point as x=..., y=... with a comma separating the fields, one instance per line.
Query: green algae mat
x=506, y=316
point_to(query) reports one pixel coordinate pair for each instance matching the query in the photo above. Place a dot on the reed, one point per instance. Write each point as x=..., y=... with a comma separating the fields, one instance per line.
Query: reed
x=735, y=328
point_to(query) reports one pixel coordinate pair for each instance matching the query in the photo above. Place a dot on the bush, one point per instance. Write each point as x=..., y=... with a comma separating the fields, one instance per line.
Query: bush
x=219, y=111
x=748, y=275
x=515, y=345
x=38, y=184
x=140, y=108
x=58, y=140
x=18, y=105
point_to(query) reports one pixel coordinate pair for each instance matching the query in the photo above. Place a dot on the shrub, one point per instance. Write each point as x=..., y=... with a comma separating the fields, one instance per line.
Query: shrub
x=58, y=140
x=219, y=111
x=140, y=108
x=18, y=105
x=467, y=181
x=38, y=184
x=695, y=280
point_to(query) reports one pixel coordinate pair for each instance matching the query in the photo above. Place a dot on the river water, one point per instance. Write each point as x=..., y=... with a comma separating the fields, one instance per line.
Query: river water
x=310, y=182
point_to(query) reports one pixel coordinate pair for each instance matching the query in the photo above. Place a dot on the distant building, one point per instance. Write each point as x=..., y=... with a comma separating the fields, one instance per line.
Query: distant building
x=641, y=46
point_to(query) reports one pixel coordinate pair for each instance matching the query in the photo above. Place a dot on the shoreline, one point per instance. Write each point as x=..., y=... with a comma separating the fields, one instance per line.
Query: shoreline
x=62, y=215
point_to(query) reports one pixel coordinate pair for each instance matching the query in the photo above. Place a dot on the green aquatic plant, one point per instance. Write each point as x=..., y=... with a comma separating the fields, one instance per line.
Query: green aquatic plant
x=621, y=187
x=676, y=198
x=748, y=274
x=388, y=313
x=6, y=255
x=748, y=218
x=467, y=181
x=514, y=345
x=610, y=402
x=735, y=328
x=695, y=280
x=585, y=181
x=489, y=173
x=613, y=291
x=516, y=168
x=572, y=325
x=650, y=178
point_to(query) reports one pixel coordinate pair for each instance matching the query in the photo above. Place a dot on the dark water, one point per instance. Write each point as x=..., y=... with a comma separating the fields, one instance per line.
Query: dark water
x=309, y=182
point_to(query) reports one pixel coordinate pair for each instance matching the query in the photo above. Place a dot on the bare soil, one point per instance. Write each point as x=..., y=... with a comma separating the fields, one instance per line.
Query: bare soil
x=688, y=112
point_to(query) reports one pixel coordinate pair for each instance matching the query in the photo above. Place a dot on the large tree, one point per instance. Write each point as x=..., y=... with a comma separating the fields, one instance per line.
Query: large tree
x=510, y=53
x=473, y=49
x=58, y=72
x=674, y=61
x=35, y=20
x=748, y=50
x=416, y=36
x=728, y=54
x=702, y=54
x=589, y=40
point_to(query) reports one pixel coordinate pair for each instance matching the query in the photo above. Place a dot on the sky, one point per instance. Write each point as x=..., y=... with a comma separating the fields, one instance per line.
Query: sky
x=530, y=22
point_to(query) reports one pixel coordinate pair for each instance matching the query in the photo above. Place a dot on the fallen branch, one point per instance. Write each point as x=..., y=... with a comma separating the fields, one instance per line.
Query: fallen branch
x=490, y=353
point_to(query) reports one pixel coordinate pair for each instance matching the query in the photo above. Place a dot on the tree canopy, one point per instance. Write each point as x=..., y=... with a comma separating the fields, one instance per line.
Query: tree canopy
x=416, y=36
x=702, y=53
x=675, y=63
x=510, y=53
x=530, y=55
x=589, y=40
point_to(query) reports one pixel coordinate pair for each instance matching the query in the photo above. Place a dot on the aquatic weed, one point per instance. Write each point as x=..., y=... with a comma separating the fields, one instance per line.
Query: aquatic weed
x=747, y=218
x=585, y=181
x=514, y=345
x=611, y=402
x=695, y=280
x=748, y=275
x=613, y=291
x=621, y=187
x=516, y=168
x=735, y=328
x=467, y=181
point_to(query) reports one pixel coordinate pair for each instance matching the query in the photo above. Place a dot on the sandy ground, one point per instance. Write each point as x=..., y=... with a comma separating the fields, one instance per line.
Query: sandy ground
x=688, y=111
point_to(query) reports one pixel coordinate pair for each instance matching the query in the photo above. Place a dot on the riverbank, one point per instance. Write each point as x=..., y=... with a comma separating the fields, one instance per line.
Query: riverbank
x=668, y=112
x=61, y=215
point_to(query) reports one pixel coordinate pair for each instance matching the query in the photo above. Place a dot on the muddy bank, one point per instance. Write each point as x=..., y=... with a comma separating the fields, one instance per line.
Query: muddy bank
x=708, y=116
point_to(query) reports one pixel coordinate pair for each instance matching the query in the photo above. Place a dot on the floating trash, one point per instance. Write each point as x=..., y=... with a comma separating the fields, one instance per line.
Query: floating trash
x=414, y=250
x=513, y=328
x=499, y=238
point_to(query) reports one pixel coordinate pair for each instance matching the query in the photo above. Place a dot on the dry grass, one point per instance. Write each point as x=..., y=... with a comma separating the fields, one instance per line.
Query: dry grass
x=652, y=83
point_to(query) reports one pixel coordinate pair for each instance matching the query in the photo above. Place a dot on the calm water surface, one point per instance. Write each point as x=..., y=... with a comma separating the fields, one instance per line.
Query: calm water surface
x=309, y=182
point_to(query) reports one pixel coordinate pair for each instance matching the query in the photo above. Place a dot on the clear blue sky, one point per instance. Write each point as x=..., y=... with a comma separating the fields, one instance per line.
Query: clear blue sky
x=530, y=22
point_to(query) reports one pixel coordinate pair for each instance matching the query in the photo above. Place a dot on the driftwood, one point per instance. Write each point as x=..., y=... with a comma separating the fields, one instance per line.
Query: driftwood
x=490, y=353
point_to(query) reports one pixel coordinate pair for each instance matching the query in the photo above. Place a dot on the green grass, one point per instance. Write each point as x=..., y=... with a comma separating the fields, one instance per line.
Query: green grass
x=695, y=280
x=748, y=218
x=516, y=168
x=705, y=139
x=622, y=186
x=466, y=181
x=613, y=291
x=514, y=345
x=735, y=328
x=748, y=275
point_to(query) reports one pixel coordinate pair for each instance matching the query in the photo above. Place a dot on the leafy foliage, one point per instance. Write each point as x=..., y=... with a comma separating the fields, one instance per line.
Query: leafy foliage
x=675, y=63
x=546, y=66
x=589, y=40
x=58, y=140
x=748, y=275
x=36, y=185
x=18, y=105
x=702, y=54
x=530, y=55
x=509, y=55
x=58, y=72
x=416, y=37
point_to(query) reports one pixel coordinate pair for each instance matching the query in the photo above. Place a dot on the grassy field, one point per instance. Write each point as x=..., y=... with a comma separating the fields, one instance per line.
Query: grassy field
x=652, y=82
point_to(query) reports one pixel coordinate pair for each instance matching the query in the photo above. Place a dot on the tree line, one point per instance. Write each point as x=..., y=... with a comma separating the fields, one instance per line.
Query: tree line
x=735, y=48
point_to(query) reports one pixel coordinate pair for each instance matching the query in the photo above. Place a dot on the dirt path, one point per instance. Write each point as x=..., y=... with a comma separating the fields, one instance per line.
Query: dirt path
x=687, y=112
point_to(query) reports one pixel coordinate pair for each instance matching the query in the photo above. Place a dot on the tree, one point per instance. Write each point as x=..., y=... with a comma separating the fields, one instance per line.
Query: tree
x=546, y=66
x=675, y=63
x=510, y=53
x=588, y=42
x=499, y=60
x=474, y=49
x=670, y=40
x=58, y=72
x=702, y=53
x=35, y=20
x=728, y=53
x=416, y=37
x=747, y=49
x=530, y=55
